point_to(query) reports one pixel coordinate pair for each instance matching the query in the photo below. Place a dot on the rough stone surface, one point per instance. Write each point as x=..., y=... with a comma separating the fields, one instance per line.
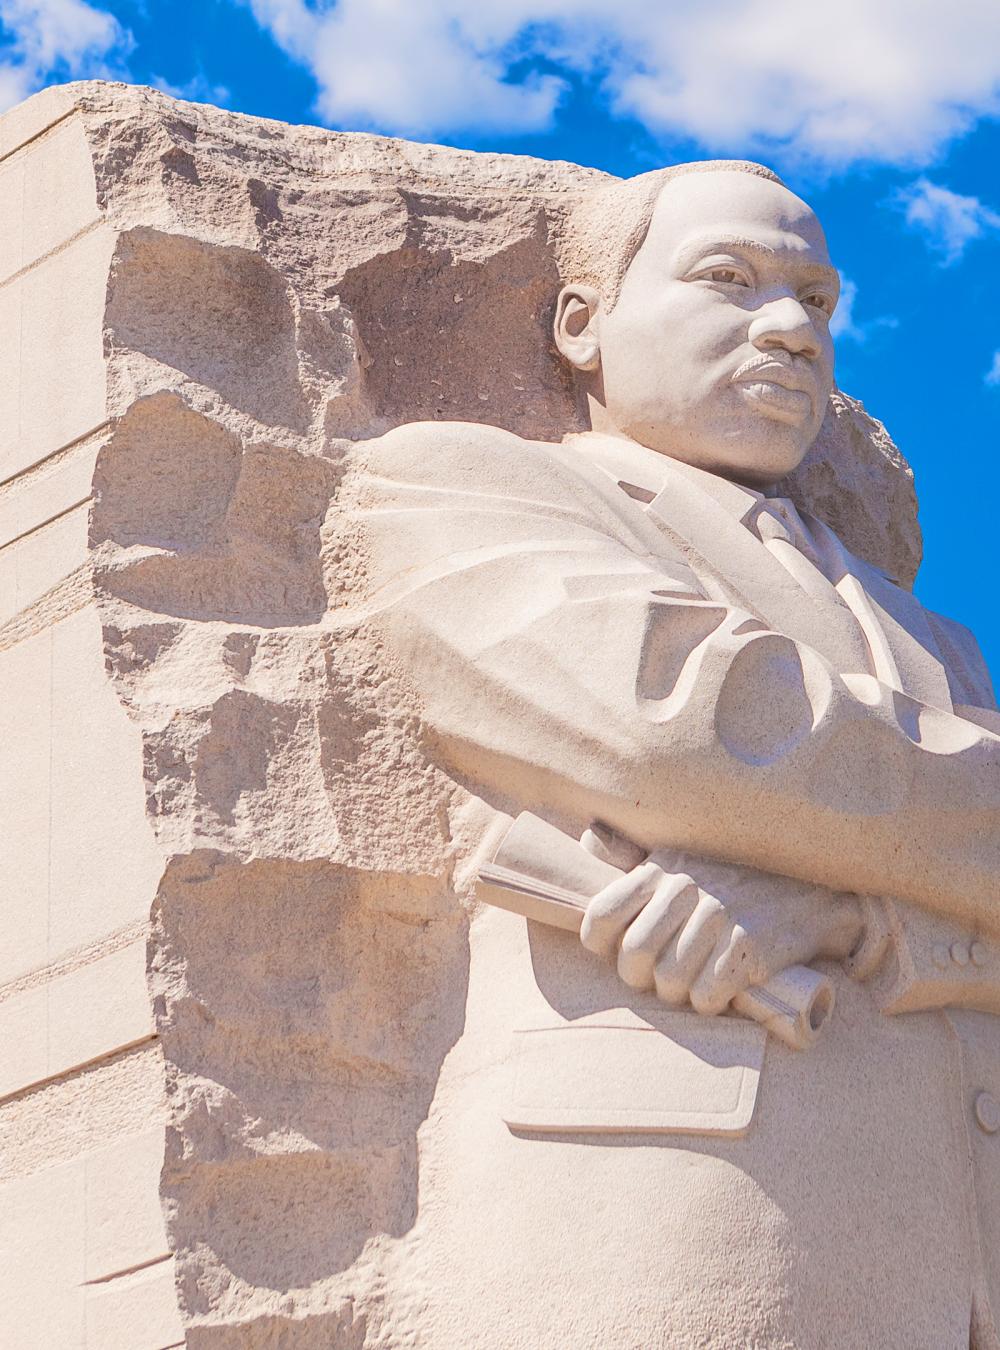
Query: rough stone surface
x=877, y=523
x=274, y=296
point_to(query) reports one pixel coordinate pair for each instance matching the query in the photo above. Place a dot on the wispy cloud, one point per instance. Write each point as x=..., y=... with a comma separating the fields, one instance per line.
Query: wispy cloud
x=992, y=376
x=198, y=89
x=948, y=220
x=46, y=40
x=833, y=81
x=845, y=326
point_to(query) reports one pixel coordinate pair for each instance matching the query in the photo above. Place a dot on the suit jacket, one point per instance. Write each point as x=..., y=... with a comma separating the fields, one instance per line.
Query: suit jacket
x=593, y=631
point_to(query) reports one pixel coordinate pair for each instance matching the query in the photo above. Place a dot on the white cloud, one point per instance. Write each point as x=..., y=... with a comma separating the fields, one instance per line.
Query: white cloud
x=842, y=325
x=993, y=374
x=829, y=81
x=947, y=219
x=412, y=67
x=54, y=39
x=845, y=326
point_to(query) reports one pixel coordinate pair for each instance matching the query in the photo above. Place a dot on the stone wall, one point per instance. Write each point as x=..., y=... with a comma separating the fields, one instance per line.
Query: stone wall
x=212, y=779
x=84, y=1259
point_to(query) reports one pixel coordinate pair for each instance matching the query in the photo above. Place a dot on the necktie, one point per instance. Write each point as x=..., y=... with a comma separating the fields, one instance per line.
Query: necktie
x=780, y=529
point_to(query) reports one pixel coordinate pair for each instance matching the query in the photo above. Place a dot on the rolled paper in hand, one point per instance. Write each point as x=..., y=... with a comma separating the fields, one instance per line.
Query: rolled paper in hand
x=544, y=874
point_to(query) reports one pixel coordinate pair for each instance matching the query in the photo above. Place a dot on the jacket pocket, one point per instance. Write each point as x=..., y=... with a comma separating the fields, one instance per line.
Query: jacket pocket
x=613, y=1072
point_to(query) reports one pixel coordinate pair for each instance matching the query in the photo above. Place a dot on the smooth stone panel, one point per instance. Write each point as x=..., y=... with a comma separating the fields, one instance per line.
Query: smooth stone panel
x=11, y=214
x=24, y=1037
x=41, y=559
x=104, y=862
x=71, y=800
x=98, y=1009
x=136, y=1312
x=83, y=1256
x=11, y=459
x=59, y=191
x=25, y=734
x=55, y=390
x=74, y=1018
x=32, y=501
x=42, y=1260
x=124, y=1220
x=30, y=118
x=47, y=195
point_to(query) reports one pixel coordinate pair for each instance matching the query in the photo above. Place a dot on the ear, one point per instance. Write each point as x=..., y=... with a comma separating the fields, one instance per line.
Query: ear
x=576, y=326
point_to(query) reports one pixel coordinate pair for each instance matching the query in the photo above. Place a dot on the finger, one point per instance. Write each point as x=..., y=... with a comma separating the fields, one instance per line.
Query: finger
x=845, y=927
x=677, y=968
x=732, y=966
x=613, y=909
x=672, y=904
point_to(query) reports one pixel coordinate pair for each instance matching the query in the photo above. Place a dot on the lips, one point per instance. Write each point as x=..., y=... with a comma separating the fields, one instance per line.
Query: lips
x=787, y=390
x=767, y=370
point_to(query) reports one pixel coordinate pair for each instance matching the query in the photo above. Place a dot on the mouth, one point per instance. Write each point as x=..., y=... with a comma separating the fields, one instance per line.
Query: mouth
x=787, y=391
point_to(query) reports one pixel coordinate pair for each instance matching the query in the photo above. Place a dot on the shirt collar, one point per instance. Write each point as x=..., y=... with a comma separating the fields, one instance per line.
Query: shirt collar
x=647, y=473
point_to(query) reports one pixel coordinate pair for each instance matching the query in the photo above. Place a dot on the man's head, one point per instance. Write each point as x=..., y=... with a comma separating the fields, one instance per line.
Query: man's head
x=698, y=317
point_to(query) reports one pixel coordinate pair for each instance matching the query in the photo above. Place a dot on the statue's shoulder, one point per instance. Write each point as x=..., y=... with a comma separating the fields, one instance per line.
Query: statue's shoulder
x=969, y=678
x=470, y=455
x=969, y=675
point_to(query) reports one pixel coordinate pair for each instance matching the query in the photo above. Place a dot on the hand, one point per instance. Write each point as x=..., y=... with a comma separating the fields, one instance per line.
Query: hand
x=702, y=931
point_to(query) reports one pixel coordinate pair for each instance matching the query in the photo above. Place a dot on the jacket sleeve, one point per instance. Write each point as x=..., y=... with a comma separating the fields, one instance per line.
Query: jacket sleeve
x=562, y=663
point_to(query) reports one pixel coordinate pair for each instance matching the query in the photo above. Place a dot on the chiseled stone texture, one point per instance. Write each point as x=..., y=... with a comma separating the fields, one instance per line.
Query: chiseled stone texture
x=269, y=296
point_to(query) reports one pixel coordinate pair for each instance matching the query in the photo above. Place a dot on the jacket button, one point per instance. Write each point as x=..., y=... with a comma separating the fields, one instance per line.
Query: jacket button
x=960, y=953
x=987, y=1110
x=979, y=953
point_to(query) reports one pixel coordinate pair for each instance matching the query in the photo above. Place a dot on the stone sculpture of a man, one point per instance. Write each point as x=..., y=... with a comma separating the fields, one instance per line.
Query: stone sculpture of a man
x=626, y=628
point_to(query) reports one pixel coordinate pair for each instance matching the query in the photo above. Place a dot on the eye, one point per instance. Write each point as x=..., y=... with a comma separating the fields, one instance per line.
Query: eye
x=820, y=300
x=726, y=276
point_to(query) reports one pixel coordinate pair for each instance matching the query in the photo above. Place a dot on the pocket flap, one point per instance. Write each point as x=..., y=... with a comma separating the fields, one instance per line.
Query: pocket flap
x=614, y=1073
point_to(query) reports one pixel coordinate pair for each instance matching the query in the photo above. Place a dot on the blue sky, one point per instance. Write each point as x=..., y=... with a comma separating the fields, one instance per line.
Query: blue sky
x=885, y=116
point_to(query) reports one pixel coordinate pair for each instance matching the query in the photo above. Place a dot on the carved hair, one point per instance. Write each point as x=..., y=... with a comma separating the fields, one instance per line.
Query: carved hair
x=606, y=230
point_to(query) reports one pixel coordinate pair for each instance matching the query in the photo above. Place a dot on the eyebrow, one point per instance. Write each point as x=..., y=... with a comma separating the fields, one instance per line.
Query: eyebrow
x=698, y=248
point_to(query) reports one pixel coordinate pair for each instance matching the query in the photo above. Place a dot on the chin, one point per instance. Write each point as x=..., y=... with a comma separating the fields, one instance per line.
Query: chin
x=763, y=463
x=757, y=453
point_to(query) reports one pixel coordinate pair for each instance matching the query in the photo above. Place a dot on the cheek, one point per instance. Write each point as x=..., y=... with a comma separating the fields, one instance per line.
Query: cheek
x=714, y=324
x=684, y=331
x=705, y=334
x=637, y=355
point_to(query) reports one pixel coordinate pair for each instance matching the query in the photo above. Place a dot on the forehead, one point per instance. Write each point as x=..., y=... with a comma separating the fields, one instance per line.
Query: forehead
x=730, y=204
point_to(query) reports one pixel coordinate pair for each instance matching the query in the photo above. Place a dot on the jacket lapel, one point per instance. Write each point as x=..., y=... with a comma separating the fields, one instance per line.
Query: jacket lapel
x=895, y=624
x=734, y=565
x=870, y=624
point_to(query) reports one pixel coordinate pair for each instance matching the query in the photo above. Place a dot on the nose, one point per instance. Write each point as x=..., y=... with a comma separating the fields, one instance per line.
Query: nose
x=785, y=324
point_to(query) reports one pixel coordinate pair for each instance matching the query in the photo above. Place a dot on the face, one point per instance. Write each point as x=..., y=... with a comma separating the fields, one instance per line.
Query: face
x=718, y=350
